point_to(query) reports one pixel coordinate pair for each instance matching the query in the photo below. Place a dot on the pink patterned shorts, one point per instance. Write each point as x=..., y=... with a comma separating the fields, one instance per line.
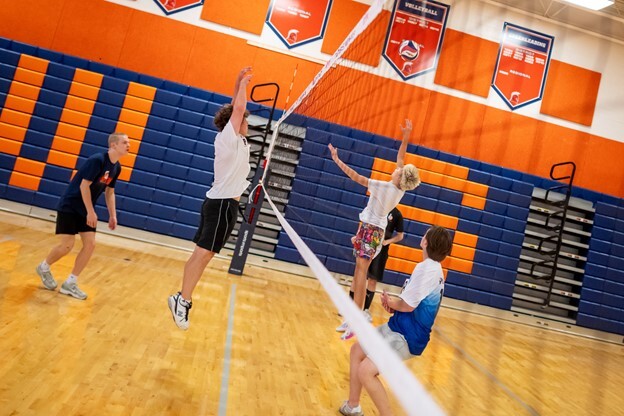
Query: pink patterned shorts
x=368, y=241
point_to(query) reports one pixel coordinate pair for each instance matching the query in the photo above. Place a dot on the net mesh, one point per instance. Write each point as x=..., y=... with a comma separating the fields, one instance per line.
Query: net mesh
x=338, y=96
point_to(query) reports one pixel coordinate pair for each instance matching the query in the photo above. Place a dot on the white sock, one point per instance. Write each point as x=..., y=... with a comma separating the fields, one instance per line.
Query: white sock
x=72, y=279
x=45, y=266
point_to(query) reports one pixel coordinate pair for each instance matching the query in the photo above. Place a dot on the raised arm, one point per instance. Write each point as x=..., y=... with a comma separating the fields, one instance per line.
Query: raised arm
x=407, y=132
x=346, y=169
x=239, y=102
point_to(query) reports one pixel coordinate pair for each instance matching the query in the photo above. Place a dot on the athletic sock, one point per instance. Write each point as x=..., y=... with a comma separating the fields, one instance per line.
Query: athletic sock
x=72, y=279
x=45, y=266
x=352, y=295
x=369, y=299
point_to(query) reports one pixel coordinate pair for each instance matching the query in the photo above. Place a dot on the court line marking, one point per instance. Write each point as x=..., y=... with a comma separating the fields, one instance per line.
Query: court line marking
x=491, y=376
x=227, y=355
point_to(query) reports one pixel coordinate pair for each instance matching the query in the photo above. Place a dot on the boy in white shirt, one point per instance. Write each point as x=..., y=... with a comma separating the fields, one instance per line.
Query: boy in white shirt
x=408, y=330
x=384, y=196
x=220, y=208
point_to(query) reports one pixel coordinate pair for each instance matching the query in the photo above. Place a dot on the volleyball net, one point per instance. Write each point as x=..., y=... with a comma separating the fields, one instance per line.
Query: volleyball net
x=341, y=94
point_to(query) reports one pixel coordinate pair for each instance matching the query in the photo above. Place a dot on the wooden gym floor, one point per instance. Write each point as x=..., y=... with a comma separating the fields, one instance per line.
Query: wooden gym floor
x=260, y=344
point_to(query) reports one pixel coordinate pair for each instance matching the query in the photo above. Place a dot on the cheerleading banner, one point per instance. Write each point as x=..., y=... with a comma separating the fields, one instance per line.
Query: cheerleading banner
x=173, y=6
x=297, y=22
x=415, y=35
x=522, y=65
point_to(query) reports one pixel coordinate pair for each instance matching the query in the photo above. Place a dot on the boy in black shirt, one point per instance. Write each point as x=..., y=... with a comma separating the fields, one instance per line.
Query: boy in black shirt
x=76, y=212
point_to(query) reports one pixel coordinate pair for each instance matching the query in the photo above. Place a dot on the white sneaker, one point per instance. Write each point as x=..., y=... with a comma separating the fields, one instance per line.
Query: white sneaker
x=46, y=278
x=72, y=289
x=343, y=327
x=347, y=410
x=347, y=335
x=180, y=310
x=368, y=315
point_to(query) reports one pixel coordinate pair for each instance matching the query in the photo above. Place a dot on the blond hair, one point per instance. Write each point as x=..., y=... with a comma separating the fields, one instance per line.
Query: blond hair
x=115, y=137
x=410, y=178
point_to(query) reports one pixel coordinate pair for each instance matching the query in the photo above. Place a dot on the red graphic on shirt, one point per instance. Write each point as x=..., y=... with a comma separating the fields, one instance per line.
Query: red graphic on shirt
x=106, y=179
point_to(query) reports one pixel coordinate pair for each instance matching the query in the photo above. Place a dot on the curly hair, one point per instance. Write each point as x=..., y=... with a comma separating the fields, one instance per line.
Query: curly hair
x=410, y=178
x=223, y=116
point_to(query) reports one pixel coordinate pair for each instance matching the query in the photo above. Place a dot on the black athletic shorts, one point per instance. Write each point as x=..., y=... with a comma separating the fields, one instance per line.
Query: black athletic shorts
x=378, y=265
x=218, y=218
x=71, y=223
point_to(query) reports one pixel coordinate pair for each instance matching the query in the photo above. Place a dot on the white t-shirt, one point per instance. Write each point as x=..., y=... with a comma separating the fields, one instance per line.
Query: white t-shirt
x=231, y=165
x=384, y=196
x=423, y=291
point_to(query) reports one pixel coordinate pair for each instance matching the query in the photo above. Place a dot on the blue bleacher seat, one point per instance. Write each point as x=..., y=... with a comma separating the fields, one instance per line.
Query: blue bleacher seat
x=61, y=71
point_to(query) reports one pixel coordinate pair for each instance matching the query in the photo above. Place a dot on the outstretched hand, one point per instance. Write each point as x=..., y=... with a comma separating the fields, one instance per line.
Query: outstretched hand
x=407, y=129
x=243, y=72
x=334, y=152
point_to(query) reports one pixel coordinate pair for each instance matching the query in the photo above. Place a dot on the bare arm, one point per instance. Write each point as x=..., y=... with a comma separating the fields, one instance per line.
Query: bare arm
x=407, y=132
x=85, y=192
x=346, y=169
x=239, y=102
x=395, y=239
x=394, y=304
x=109, y=196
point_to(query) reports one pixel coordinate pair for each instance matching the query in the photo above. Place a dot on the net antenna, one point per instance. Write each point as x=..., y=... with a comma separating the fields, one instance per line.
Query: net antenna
x=333, y=92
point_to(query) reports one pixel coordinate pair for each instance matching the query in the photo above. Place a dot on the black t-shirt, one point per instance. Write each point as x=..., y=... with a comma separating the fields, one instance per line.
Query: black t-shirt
x=101, y=172
x=395, y=223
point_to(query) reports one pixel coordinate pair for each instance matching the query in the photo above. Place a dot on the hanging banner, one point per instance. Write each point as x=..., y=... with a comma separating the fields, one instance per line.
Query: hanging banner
x=297, y=22
x=175, y=6
x=415, y=35
x=522, y=65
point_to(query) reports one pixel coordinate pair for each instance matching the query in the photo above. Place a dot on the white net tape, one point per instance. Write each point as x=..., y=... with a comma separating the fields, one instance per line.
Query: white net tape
x=410, y=393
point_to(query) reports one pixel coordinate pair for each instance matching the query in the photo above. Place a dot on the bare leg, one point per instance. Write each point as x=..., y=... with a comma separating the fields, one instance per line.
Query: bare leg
x=65, y=245
x=355, y=386
x=358, y=285
x=368, y=375
x=371, y=285
x=88, y=247
x=193, y=270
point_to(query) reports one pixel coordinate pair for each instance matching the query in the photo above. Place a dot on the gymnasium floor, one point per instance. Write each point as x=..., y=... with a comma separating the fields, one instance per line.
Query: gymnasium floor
x=260, y=344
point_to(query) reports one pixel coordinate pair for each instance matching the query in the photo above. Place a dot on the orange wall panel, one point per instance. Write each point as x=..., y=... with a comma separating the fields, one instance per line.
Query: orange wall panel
x=94, y=30
x=165, y=43
x=43, y=20
x=12, y=132
x=466, y=63
x=570, y=93
x=243, y=15
x=343, y=17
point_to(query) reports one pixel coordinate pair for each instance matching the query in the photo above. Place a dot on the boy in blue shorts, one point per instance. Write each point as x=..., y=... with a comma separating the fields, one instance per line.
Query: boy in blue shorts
x=408, y=330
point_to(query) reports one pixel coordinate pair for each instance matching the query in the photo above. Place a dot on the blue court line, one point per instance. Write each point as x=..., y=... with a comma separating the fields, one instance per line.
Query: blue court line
x=491, y=376
x=227, y=355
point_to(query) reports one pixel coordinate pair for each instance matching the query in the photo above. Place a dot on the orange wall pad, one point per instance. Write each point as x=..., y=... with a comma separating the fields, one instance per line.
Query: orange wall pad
x=573, y=102
x=243, y=15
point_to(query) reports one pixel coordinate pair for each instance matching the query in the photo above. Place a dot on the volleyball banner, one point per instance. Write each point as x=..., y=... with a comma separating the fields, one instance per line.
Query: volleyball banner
x=297, y=22
x=522, y=65
x=414, y=37
x=175, y=6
